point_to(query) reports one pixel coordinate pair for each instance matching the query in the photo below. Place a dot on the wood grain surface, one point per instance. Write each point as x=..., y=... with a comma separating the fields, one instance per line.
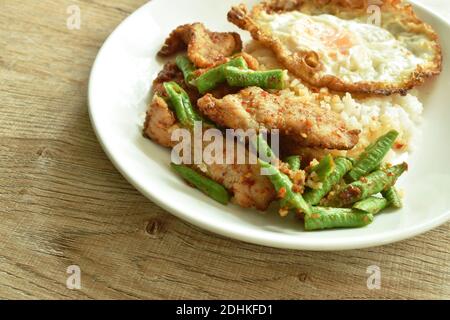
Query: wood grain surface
x=63, y=203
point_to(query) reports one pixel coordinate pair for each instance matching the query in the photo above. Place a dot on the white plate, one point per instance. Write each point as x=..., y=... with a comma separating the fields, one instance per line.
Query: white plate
x=118, y=97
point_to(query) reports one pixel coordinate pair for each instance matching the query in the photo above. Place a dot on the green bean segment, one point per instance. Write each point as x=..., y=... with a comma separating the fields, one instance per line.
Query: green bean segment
x=341, y=167
x=372, y=157
x=186, y=66
x=393, y=197
x=179, y=100
x=263, y=149
x=371, y=205
x=204, y=184
x=281, y=182
x=294, y=162
x=324, y=168
x=271, y=79
x=330, y=218
x=365, y=187
x=215, y=76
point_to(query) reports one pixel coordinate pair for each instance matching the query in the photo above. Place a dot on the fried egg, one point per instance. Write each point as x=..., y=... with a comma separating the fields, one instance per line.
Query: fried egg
x=342, y=48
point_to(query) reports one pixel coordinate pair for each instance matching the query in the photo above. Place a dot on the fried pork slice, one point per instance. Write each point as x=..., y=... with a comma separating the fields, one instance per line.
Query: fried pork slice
x=160, y=122
x=306, y=124
x=249, y=188
x=170, y=72
x=204, y=47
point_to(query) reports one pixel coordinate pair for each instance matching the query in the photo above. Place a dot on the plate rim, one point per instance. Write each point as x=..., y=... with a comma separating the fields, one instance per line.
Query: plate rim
x=375, y=240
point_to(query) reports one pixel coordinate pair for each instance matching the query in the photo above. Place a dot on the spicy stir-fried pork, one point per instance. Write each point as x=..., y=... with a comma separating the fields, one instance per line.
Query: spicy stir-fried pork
x=204, y=47
x=160, y=123
x=307, y=125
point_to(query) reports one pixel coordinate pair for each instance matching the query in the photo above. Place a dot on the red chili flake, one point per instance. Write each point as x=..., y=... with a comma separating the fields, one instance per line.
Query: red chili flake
x=285, y=170
x=308, y=124
x=282, y=193
x=399, y=146
x=349, y=193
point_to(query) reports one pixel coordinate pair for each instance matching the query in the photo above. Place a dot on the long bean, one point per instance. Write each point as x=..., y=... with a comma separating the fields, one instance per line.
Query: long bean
x=365, y=187
x=179, y=100
x=330, y=218
x=372, y=157
x=215, y=76
x=294, y=162
x=186, y=66
x=281, y=182
x=392, y=197
x=263, y=149
x=209, y=187
x=324, y=168
x=283, y=185
x=341, y=167
x=271, y=79
x=371, y=205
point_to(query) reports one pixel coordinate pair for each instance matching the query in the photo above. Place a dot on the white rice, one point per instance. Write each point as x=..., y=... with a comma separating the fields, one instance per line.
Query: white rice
x=374, y=116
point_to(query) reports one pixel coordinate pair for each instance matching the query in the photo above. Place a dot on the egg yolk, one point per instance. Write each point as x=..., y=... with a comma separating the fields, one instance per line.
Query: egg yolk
x=332, y=38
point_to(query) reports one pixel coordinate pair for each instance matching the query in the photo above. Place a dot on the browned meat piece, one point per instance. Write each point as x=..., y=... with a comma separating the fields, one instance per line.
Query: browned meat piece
x=253, y=108
x=160, y=123
x=170, y=72
x=249, y=188
x=204, y=47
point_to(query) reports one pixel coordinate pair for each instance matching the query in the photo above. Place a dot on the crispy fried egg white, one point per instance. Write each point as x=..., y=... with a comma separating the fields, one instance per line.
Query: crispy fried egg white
x=339, y=46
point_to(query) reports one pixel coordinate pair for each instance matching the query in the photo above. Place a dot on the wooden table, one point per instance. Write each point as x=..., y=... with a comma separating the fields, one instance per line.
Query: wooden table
x=63, y=203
